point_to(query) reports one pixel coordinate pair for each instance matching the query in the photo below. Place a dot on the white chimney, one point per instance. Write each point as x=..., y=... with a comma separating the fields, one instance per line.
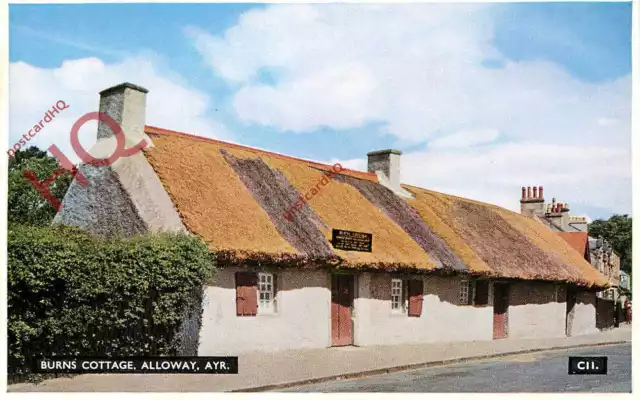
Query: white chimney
x=126, y=105
x=386, y=165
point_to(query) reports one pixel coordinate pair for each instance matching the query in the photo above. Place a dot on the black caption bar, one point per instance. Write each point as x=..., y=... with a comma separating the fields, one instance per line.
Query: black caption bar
x=139, y=365
x=587, y=365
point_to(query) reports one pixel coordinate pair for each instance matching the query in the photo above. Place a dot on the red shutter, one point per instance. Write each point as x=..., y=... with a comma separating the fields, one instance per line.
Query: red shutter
x=415, y=298
x=246, y=293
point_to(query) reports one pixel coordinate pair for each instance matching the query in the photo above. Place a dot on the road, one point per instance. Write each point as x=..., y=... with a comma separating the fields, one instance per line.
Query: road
x=532, y=372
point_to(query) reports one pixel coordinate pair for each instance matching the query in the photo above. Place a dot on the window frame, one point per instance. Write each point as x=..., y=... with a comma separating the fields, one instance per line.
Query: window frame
x=401, y=301
x=267, y=287
x=469, y=285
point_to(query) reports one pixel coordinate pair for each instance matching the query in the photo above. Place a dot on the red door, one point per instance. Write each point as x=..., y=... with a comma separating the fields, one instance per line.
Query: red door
x=500, y=306
x=341, y=302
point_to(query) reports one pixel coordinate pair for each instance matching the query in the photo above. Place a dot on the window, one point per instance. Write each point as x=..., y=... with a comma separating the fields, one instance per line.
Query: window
x=266, y=293
x=397, y=301
x=466, y=292
x=481, y=293
x=255, y=293
x=406, y=296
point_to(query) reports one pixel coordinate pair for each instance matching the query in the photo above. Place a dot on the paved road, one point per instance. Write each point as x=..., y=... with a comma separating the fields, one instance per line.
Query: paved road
x=533, y=372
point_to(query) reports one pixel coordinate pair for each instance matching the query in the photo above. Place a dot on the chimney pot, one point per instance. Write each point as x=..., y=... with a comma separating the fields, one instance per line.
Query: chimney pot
x=524, y=193
x=540, y=192
x=529, y=192
x=535, y=192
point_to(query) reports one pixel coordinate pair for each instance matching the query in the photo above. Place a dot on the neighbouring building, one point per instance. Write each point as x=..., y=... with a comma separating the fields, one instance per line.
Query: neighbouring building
x=625, y=287
x=574, y=229
x=607, y=261
x=625, y=282
x=441, y=268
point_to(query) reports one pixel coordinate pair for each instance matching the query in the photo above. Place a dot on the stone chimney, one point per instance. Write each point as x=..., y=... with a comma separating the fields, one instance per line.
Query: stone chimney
x=578, y=223
x=532, y=203
x=386, y=165
x=564, y=217
x=125, y=103
x=554, y=213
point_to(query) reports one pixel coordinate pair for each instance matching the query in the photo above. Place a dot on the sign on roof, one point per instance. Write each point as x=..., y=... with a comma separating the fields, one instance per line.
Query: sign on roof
x=348, y=240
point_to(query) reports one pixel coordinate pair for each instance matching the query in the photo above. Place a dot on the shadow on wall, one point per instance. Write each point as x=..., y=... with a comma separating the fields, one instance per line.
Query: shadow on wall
x=605, y=312
x=527, y=293
x=446, y=289
x=286, y=280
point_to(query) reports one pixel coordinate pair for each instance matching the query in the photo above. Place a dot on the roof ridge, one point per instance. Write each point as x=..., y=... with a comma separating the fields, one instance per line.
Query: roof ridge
x=161, y=131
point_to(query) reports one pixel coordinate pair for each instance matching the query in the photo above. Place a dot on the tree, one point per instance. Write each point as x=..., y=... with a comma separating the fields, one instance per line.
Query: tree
x=617, y=231
x=26, y=204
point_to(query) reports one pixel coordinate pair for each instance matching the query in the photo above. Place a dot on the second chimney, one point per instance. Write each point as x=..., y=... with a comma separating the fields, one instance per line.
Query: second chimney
x=532, y=204
x=386, y=165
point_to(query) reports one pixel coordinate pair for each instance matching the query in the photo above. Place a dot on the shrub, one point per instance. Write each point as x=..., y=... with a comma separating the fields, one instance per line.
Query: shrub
x=71, y=294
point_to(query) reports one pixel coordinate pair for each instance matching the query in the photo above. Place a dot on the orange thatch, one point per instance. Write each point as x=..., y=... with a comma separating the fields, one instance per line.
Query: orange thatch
x=234, y=197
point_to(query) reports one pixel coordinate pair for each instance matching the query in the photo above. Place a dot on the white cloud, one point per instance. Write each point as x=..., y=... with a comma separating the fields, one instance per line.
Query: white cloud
x=575, y=175
x=170, y=103
x=604, y=121
x=418, y=70
x=496, y=174
x=465, y=138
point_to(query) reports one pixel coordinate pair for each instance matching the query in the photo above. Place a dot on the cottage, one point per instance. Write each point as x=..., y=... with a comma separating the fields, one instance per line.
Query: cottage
x=441, y=268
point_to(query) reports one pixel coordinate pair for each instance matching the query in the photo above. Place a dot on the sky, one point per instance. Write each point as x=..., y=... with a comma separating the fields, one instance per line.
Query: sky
x=482, y=99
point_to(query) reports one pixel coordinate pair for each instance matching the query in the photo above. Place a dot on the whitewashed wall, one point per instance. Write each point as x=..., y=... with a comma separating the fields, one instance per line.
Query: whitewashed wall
x=535, y=310
x=442, y=319
x=302, y=319
x=584, y=317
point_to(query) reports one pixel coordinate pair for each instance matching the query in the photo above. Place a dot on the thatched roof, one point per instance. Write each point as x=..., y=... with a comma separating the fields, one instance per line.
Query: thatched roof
x=234, y=198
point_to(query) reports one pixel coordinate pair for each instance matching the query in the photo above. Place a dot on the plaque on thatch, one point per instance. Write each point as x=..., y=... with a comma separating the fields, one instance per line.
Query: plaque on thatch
x=354, y=241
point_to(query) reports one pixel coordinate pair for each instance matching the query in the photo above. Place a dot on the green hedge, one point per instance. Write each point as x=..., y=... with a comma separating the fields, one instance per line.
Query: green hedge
x=71, y=294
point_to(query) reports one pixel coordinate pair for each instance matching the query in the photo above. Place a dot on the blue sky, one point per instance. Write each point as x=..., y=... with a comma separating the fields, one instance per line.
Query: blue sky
x=568, y=51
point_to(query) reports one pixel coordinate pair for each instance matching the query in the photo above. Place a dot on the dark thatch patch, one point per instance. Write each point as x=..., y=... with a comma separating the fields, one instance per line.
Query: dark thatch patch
x=500, y=245
x=408, y=219
x=275, y=194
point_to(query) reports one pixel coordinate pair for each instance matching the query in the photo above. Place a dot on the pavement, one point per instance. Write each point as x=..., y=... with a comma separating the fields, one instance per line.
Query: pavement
x=545, y=372
x=262, y=371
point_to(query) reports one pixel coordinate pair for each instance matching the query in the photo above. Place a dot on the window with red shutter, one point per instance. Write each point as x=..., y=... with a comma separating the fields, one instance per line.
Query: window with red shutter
x=246, y=293
x=415, y=292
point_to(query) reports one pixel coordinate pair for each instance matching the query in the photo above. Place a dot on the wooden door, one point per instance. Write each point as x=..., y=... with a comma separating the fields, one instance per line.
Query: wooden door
x=341, y=302
x=500, y=307
x=571, y=303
